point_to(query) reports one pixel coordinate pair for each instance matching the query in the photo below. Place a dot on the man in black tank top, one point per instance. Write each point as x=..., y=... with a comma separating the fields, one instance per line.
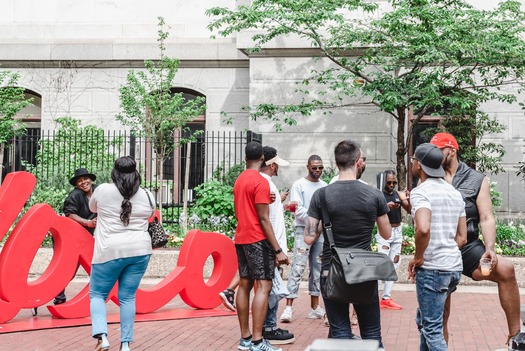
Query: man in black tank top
x=392, y=247
x=475, y=189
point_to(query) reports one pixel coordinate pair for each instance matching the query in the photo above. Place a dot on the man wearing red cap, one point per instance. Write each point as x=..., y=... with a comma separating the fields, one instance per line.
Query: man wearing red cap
x=475, y=189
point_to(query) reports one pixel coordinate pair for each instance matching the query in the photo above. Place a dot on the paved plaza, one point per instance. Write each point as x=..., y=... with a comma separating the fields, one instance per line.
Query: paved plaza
x=477, y=323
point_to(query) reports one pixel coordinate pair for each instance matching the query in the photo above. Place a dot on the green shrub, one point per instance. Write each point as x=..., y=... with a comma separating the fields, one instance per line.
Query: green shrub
x=230, y=176
x=329, y=172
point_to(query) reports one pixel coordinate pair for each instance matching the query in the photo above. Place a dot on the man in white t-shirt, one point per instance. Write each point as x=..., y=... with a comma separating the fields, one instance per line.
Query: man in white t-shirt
x=269, y=169
x=440, y=230
x=300, y=195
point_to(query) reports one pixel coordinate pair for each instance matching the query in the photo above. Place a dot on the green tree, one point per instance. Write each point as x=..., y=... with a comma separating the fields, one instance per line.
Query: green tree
x=442, y=57
x=12, y=101
x=150, y=107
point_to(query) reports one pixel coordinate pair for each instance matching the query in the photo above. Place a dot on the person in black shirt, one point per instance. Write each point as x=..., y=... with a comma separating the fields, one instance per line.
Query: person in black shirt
x=475, y=189
x=392, y=247
x=353, y=208
x=76, y=207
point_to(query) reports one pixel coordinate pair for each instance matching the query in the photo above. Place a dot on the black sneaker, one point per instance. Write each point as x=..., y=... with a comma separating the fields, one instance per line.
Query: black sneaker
x=278, y=336
x=58, y=301
x=228, y=299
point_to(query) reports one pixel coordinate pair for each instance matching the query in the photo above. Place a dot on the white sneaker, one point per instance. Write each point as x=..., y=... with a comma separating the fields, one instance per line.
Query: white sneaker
x=318, y=313
x=286, y=317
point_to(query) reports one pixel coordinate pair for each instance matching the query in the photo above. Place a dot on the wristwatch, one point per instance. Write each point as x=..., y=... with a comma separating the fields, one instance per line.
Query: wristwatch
x=278, y=251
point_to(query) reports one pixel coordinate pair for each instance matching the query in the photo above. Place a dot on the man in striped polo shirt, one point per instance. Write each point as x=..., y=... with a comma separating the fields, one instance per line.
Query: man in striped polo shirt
x=440, y=227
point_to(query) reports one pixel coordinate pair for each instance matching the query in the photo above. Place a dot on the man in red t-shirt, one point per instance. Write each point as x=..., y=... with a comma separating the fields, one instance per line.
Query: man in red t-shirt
x=257, y=248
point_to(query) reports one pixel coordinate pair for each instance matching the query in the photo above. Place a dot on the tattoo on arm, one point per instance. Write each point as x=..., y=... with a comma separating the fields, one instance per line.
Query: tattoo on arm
x=311, y=227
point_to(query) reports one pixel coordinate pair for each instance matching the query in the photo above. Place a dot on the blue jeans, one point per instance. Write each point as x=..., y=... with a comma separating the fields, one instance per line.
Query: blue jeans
x=303, y=253
x=432, y=289
x=270, y=322
x=128, y=272
x=368, y=316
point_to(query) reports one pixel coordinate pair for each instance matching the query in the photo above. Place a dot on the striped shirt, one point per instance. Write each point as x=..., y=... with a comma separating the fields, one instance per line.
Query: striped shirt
x=447, y=206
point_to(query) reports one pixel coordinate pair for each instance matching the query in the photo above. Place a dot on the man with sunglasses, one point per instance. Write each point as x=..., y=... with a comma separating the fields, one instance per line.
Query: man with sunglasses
x=392, y=246
x=301, y=194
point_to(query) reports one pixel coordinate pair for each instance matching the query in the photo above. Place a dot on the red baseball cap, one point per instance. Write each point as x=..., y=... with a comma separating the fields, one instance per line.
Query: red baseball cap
x=443, y=140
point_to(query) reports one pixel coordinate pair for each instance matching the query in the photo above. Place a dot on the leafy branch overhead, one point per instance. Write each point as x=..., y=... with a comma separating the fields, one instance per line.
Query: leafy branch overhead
x=150, y=106
x=430, y=56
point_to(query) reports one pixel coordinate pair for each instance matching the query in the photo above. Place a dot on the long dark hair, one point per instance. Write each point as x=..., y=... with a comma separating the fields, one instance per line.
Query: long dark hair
x=127, y=179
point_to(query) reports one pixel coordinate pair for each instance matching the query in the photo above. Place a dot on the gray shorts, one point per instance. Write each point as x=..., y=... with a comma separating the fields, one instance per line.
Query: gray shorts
x=256, y=260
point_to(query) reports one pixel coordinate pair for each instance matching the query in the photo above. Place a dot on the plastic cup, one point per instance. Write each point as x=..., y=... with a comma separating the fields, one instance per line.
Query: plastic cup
x=485, y=263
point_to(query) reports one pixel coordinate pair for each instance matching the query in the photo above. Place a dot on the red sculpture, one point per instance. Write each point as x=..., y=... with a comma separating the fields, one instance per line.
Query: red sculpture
x=74, y=245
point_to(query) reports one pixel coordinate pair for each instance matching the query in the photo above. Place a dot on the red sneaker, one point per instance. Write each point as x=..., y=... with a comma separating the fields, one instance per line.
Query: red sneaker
x=389, y=304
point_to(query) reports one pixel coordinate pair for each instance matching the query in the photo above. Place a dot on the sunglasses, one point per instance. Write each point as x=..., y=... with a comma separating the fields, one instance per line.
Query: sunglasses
x=412, y=159
x=315, y=168
x=395, y=183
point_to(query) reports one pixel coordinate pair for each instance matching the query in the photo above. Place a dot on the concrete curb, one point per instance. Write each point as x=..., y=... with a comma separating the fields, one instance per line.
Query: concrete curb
x=165, y=261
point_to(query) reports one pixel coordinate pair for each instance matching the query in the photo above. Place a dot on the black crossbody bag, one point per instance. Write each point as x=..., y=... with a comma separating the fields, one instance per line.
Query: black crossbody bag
x=353, y=273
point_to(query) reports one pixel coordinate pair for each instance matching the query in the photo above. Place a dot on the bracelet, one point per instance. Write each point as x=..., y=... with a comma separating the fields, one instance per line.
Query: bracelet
x=278, y=251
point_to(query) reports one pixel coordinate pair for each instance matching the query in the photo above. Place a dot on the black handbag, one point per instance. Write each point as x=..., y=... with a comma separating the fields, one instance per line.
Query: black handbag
x=353, y=273
x=155, y=230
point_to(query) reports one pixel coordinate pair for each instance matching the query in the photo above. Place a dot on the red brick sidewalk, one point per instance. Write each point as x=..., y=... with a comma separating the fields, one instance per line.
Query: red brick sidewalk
x=477, y=323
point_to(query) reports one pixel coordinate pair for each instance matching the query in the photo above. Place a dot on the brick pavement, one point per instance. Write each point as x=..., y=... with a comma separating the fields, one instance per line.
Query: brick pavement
x=477, y=323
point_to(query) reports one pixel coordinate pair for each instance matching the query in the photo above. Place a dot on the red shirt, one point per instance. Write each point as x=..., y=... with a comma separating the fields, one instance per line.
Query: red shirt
x=250, y=189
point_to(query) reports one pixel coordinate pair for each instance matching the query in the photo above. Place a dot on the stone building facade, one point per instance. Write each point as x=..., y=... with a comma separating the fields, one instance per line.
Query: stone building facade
x=73, y=57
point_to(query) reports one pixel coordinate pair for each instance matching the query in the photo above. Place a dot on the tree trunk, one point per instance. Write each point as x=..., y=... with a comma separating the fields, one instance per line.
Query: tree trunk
x=402, y=148
x=160, y=168
x=185, y=188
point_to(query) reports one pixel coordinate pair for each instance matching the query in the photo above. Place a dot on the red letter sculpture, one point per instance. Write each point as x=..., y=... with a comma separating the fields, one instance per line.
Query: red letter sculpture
x=74, y=245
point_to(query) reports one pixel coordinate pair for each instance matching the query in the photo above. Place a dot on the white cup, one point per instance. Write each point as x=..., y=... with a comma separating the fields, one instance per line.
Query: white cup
x=485, y=264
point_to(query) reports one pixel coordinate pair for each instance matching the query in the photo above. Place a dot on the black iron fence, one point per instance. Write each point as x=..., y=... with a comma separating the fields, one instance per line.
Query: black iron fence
x=54, y=155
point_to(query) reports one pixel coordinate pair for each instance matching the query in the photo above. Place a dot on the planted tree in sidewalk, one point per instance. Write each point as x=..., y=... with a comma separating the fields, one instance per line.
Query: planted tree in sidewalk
x=150, y=107
x=12, y=101
x=434, y=57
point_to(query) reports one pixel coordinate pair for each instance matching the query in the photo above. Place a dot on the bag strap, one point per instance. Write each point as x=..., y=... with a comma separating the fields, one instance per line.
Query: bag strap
x=149, y=199
x=327, y=225
x=153, y=208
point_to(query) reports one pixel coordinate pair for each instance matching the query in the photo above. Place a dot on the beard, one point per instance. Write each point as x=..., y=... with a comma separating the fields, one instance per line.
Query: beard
x=446, y=163
x=315, y=175
x=360, y=171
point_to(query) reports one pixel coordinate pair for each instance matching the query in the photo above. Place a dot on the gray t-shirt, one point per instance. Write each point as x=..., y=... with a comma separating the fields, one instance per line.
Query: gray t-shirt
x=353, y=208
x=302, y=191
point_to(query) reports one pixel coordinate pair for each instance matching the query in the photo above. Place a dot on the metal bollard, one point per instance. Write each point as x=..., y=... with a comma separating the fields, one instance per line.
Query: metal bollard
x=343, y=345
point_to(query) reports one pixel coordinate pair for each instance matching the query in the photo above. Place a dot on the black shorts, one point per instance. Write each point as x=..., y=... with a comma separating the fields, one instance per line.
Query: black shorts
x=256, y=260
x=471, y=254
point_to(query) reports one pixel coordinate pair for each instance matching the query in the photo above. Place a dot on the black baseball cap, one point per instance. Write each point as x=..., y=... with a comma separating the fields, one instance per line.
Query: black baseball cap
x=430, y=157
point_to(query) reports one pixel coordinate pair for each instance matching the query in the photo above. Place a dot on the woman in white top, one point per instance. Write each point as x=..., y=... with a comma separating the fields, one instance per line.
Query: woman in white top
x=122, y=248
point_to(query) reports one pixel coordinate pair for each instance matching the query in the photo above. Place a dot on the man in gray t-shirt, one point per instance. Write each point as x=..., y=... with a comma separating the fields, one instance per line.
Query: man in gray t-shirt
x=439, y=230
x=353, y=208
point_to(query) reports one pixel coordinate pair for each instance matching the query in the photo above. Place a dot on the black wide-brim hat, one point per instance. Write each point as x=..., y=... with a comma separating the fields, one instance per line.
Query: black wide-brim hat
x=81, y=172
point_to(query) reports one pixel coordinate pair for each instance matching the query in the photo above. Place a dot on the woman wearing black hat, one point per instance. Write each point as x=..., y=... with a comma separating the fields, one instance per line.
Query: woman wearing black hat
x=76, y=205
